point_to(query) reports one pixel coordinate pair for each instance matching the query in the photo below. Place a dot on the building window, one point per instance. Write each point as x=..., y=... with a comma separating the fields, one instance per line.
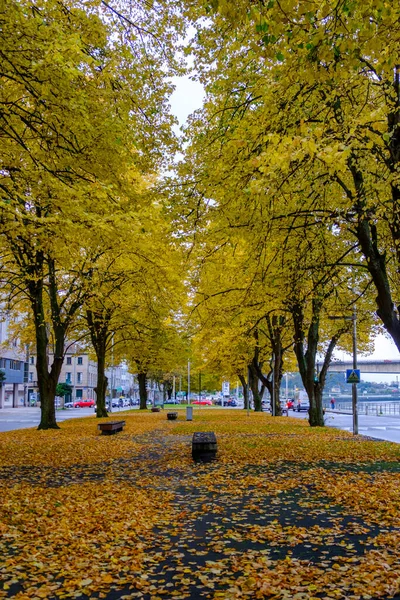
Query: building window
x=15, y=365
x=79, y=378
x=79, y=393
x=80, y=360
x=69, y=360
x=32, y=360
x=68, y=378
x=30, y=376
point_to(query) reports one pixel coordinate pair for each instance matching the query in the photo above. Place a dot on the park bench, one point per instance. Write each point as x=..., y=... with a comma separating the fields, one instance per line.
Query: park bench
x=204, y=446
x=172, y=416
x=111, y=427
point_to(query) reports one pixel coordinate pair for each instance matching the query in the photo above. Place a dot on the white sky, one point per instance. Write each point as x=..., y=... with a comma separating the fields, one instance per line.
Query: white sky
x=385, y=349
x=188, y=97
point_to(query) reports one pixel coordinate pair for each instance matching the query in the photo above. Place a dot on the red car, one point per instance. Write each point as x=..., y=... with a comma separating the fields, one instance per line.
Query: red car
x=203, y=402
x=84, y=403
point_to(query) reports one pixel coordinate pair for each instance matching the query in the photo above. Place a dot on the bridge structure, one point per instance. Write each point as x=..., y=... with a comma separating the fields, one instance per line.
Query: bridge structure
x=367, y=366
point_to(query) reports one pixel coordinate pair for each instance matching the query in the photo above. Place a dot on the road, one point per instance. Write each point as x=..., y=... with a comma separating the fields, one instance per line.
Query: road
x=23, y=418
x=380, y=427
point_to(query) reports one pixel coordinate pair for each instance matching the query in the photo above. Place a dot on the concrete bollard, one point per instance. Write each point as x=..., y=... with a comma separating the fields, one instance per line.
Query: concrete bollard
x=189, y=413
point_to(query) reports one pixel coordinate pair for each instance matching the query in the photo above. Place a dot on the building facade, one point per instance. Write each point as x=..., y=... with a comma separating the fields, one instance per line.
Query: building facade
x=78, y=370
x=120, y=381
x=14, y=366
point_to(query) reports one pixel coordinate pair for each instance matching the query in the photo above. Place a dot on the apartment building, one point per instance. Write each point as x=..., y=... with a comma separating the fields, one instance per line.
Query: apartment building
x=78, y=370
x=14, y=365
x=120, y=380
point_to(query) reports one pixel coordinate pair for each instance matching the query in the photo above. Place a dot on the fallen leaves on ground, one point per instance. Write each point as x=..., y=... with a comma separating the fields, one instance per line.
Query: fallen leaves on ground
x=286, y=511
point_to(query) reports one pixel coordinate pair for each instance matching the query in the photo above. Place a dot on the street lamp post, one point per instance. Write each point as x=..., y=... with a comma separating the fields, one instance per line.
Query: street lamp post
x=354, y=385
x=199, y=386
x=248, y=390
x=188, y=376
x=353, y=318
x=273, y=384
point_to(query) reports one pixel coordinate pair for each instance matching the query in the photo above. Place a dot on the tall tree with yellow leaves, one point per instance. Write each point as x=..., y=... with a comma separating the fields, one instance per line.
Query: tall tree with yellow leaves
x=318, y=87
x=80, y=129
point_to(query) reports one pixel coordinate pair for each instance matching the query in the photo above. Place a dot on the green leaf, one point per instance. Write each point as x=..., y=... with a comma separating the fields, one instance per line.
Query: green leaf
x=262, y=27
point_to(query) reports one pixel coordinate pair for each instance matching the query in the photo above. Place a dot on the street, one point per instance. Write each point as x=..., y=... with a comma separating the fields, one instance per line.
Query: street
x=380, y=427
x=23, y=418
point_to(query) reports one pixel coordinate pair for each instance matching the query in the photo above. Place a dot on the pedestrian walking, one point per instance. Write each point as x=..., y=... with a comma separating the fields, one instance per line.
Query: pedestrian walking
x=332, y=403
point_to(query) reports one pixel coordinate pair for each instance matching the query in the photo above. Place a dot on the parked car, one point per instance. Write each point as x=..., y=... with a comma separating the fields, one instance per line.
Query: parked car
x=203, y=402
x=68, y=405
x=231, y=402
x=266, y=405
x=84, y=403
x=303, y=405
x=225, y=402
x=284, y=408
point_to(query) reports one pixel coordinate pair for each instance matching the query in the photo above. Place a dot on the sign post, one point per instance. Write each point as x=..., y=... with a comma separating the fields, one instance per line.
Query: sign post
x=353, y=375
x=354, y=384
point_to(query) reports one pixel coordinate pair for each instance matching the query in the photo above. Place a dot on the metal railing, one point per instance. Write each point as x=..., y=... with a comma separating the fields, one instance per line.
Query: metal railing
x=367, y=408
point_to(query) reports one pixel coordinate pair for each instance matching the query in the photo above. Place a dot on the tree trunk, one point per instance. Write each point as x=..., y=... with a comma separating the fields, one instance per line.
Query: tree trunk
x=254, y=388
x=245, y=387
x=306, y=359
x=268, y=383
x=47, y=381
x=98, y=324
x=101, y=387
x=316, y=413
x=275, y=326
x=142, y=390
x=313, y=382
x=168, y=389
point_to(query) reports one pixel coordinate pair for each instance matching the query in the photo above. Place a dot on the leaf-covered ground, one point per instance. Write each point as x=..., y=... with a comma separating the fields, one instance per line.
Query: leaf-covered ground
x=284, y=512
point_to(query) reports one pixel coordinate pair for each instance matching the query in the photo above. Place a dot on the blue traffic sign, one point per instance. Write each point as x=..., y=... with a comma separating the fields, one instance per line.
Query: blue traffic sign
x=353, y=376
